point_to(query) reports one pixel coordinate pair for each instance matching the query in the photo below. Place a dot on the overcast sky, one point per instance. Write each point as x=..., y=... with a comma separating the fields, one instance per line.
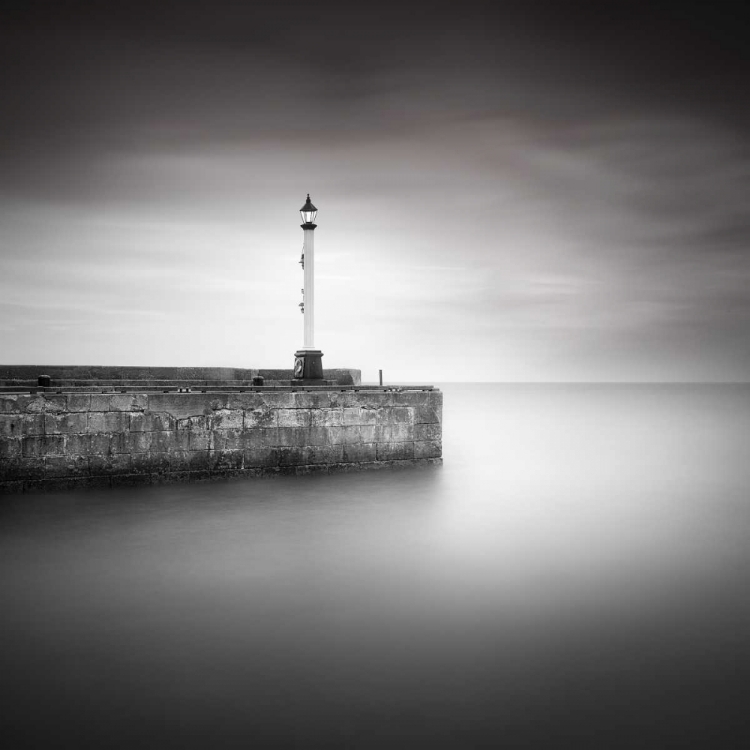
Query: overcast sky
x=517, y=191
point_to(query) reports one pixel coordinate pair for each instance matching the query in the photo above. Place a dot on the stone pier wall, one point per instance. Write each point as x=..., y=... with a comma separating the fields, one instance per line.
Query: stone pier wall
x=64, y=440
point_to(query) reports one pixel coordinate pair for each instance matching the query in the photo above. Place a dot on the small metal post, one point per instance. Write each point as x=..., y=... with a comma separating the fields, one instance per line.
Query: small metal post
x=381, y=376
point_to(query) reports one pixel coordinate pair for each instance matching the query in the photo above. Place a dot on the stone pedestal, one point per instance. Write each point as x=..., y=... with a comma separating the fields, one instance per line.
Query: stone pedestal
x=308, y=365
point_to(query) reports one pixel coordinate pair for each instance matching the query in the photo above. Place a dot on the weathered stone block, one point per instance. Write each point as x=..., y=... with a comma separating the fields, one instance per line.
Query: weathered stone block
x=395, y=451
x=218, y=401
x=128, y=402
x=293, y=417
x=116, y=421
x=383, y=416
x=401, y=432
x=95, y=422
x=311, y=399
x=200, y=422
x=11, y=425
x=226, y=460
x=366, y=399
x=383, y=433
x=55, y=404
x=33, y=424
x=290, y=456
x=198, y=460
x=335, y=435
x=360, y=452
x=262, y=456
x=179, y=460
x=99, y=443
x=200, y=440
x=402, y=414
x=156, y=421
x=179, y=405
x=138, y=421
x=35, y=405
x=138, y=442
x=163, y=441
x=317, y=436
x=79, y=402
x=281, y=400
x=65, y=466
x=118, y=442
x=181, y=441
x=428, y=431
x=418, y=398
x=369, y=433
x=150, y=463
x=410, y=398
x=261, y=437
x=246, y=401
x=368, y=416
x=407, y=463
x=430, y=414
x=99, y=402
x=11, y=447
x=292, y=436
x=351, y=434
x=322, y=454
x=140, y=402
x=226, y=419
x=43, y=445
x=428, y=449
x=351, y=415
x=55, y=424
x=13, y=404
x=118, y=463
x=260, y=417
x=77, y=445
x=226, y=440
x=21, y=467
x=326, y=417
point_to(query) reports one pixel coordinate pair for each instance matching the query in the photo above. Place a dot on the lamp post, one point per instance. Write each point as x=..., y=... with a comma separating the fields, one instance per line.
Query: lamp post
x=308, y=364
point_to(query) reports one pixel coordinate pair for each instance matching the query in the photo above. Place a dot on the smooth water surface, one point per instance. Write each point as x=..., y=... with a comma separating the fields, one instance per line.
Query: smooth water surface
x=576, y=574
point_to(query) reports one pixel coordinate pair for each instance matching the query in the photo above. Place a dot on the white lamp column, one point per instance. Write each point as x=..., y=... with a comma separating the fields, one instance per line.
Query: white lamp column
x=308, y=364
x=308, y=251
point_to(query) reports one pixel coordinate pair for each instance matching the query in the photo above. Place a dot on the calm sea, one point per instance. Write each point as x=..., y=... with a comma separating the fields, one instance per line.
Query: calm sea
x=575, y=575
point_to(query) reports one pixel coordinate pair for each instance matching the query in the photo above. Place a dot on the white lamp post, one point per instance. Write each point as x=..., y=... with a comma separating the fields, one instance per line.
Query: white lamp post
x=307, y=361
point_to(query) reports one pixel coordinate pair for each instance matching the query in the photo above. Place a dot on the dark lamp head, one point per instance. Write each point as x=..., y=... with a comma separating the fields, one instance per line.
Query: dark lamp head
x=308, y=211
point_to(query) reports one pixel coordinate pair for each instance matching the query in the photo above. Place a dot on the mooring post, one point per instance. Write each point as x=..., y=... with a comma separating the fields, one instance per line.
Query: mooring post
x=380, y=372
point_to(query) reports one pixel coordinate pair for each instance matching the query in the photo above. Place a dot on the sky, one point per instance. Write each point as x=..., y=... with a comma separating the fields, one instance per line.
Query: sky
x=506, y=191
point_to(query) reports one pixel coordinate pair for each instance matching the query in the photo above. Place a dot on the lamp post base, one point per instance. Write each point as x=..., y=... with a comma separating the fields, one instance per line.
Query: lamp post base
x=308, y=364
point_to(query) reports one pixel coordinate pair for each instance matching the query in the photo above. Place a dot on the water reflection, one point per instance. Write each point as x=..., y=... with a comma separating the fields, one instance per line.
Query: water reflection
x=574, y=573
